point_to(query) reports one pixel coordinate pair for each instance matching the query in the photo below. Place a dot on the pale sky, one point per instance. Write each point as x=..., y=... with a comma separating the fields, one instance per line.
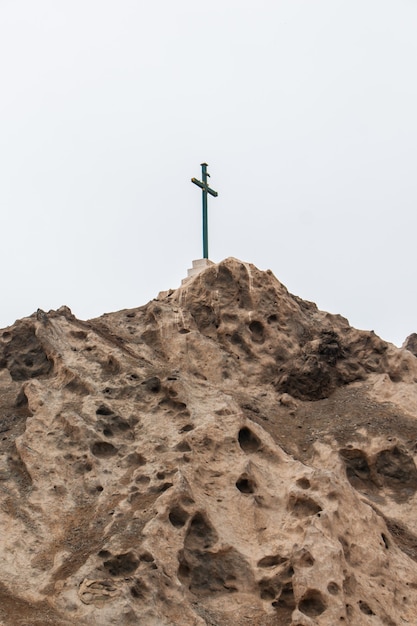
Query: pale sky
x=305, y=110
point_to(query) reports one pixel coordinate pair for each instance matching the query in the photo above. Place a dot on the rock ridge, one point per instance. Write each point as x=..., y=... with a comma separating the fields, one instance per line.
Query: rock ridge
x=226, y=454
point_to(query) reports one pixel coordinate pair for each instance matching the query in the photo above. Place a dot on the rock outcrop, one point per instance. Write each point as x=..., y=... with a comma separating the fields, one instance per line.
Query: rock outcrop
x=225, y=455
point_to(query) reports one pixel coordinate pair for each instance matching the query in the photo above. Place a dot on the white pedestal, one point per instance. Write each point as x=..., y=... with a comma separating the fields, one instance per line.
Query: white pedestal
x=198, y=266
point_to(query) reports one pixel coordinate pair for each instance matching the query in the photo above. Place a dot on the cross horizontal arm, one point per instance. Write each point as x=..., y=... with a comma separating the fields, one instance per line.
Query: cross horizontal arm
x=199, y=183
x=204, y=187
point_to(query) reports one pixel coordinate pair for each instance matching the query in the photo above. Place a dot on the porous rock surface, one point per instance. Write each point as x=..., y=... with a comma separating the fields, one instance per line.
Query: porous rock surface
x=225, y=455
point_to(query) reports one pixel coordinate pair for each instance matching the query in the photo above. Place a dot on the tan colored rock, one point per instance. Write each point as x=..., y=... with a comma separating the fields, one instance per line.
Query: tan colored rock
x=227, y=454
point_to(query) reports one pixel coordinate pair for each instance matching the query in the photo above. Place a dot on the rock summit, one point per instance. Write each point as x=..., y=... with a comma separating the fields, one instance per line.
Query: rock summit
x=225, y=455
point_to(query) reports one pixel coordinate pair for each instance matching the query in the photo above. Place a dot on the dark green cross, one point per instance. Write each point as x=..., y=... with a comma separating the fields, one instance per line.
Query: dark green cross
x=206, y=189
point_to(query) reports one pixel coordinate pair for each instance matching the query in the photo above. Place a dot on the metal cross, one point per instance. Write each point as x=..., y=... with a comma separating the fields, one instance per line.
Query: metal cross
x=206, y=189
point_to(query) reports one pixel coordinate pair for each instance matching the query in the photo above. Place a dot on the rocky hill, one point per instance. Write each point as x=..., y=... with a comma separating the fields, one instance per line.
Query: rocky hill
x=224, y=455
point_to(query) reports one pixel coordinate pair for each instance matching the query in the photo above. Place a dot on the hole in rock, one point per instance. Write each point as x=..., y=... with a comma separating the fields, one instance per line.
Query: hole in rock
x=304, y=507
x=22, y=404
x=333, y=588
x=396, y=466
x=248, y=441
x=237, y=340
x=146, y=557
x=103, y=449
x=385, y=540
x=199, y=375
x=272, y=318
x=138, y=589
x=312, y=604
x=183, y=447
x=81, y=467
x=271, y=561
x=270, y=588
x=183, y=570
x=111, y=365
x=152, y=384
x=173, y=404
x=208, y=573
x=99, y=488
x=107, y=432
x=104, y=554
x=178, y=516
x=365, y=608
x=164, y=487
x=200, y=534
x=78, y=334
x=306, y=559
x=257, y=330
x=77, y=386
x=268, y=593
x=304, y=483
x=21, y=399
x=183, y=331
x=104, y=410
x=286, y=599
x=245, y=484
x=122, y=564
x=186, y=428
x=135, y=459
x=121, y=424
x=357, y=467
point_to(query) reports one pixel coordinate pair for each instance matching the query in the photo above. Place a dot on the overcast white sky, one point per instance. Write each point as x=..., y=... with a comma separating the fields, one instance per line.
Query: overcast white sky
x=305, y=110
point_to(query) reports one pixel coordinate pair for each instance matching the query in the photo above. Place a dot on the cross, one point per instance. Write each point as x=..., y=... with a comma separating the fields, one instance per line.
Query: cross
x=206, y=189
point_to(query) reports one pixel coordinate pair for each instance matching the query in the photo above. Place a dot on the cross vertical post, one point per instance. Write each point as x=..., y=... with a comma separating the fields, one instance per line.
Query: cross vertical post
x=205, y=189
x=205, y=217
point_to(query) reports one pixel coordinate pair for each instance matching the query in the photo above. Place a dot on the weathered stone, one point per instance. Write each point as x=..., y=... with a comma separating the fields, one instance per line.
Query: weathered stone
x=225, y=455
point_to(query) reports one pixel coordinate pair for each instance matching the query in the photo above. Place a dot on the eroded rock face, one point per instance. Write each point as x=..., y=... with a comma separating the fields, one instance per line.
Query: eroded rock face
x=411, y=343
x=227, y=454
x=22, y=353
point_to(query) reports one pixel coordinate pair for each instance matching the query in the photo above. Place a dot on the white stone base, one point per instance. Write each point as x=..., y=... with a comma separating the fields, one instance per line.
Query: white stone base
x=198, y=266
